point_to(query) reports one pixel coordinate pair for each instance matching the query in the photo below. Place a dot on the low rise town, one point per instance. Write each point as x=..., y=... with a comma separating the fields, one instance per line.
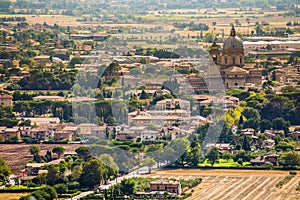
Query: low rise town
x=157, y=102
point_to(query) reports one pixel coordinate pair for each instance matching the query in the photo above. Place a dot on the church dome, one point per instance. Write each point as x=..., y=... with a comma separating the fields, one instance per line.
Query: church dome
x=233, y=42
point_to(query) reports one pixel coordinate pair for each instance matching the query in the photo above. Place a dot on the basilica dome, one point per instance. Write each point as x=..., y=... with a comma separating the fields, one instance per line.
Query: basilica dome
x=233, y=41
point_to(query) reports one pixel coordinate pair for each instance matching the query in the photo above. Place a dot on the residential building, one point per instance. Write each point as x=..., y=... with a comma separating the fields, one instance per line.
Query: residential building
x=295, y=134
x=5, y=99
x=171, y=104
x=268, y=144
x=261, y=160
x=8, y=133
x=248, y=132
x=173, y=187
x=41, y=133
x=221, y=147
x=67, y=133
x=149, y=135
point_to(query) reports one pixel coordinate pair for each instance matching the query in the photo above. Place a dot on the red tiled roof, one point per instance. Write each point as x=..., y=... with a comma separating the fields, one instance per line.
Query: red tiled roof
x=5, y=96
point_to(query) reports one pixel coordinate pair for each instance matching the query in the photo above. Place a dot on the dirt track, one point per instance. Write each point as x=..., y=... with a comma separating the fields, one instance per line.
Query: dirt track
x=236, y=184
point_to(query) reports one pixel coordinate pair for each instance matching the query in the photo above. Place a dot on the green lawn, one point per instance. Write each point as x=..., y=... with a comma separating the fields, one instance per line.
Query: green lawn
x=222, y=163
x=22, y=187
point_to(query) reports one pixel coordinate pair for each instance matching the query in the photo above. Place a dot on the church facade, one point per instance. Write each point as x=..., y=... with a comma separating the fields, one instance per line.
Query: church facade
x=231, y=63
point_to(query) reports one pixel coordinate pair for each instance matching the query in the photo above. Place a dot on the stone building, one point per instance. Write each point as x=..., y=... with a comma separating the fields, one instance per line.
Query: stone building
x=173, y=187
x=5, y=100
x=231, y=63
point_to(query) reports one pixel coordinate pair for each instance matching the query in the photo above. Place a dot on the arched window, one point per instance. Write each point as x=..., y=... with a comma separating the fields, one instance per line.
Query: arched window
x=233, y=61
x=226, y=60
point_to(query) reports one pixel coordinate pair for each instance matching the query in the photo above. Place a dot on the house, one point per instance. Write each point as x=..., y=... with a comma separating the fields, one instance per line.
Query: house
x=269, y=134
x=171, y=104
x=8, y=133
x=5, y=99
x=173, y=187
x=295, y=134
x=248, y=132
x=34, y=168
x=41, y=59
x=149, y=135
x=126, y=135
x=268, y=144
x=66, y=133
x=221, y=147
x=261, y=160
x=99, y=132
x=272, y=133
x=41, y=133
x=157, y=117
x=25, y=130
x=224, y=102
x=86, y=128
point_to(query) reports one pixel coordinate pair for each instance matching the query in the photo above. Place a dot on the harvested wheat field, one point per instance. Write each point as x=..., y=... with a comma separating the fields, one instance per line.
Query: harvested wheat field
x=218, y=184
x=12, y=196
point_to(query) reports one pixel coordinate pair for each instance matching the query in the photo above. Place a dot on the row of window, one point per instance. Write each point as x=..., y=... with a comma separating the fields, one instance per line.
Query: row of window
x=233, y=60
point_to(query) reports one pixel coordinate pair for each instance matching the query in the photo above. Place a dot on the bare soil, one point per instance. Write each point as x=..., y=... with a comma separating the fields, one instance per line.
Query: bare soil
x=17, y=155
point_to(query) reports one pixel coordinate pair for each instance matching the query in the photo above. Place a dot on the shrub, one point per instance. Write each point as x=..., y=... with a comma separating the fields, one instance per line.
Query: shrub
x=61, y=188
x=190, y=183
x=284, y=181
x=69, y=195
x=293, y=173
x=74, y=185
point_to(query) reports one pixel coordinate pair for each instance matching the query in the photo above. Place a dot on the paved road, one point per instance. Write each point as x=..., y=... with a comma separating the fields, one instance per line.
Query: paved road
x=83, y=194
x=136, y=173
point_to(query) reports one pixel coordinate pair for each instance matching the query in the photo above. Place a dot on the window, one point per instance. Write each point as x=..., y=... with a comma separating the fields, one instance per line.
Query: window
x=233, y=61
x=235, y=84
x=241, y=60
x=158, y=187
x=226, y=60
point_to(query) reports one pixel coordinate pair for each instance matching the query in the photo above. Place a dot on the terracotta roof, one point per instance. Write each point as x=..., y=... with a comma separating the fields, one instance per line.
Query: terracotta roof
x=235, y=69
x=5, y=96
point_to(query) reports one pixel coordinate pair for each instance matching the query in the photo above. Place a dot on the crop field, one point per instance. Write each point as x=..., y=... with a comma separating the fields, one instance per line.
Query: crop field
x=12, y=196
x=49, y=19
x=236, y=184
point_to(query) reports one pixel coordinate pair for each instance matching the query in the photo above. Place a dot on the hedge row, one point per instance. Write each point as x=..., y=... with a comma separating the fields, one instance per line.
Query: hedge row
x=284, y=181
x=69, y=195
x=18, y=190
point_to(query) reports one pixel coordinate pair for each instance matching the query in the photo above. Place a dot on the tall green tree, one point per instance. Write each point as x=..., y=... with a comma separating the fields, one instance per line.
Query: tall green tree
x=59, y=150
x=92, y=173
x=127, y=186
x=246, y=144
x=213, y=156
x=35, y=151
x=291, y=159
